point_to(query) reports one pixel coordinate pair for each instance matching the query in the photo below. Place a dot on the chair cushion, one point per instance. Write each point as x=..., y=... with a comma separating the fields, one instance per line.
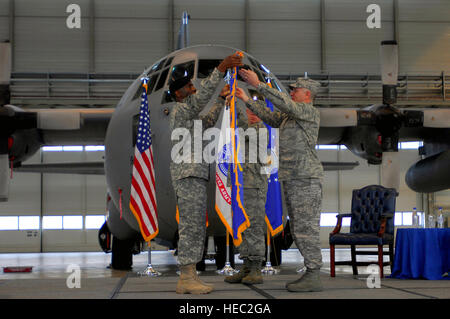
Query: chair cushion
x=360, y=239
x=369, y=204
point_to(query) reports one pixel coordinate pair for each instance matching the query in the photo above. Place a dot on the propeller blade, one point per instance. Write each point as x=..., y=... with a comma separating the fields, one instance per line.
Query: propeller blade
x=390, y=170
x=5, y=73
x=338, y=117
x=4, y=177
x=339, y=166
x=436, y=118
x=5, y=63
x=389, y=71
x=88, y=168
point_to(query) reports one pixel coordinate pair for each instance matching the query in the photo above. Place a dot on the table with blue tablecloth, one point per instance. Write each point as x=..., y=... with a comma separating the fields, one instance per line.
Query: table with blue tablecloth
x=422, y=254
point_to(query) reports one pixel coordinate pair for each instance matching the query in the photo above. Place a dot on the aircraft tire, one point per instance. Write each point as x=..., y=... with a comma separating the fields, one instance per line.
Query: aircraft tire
x=122, y=253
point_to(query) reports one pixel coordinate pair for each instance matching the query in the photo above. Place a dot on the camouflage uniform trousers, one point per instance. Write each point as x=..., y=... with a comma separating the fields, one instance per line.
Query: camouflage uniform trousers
x=191, y=193
x=304, y=202
x=253, y=238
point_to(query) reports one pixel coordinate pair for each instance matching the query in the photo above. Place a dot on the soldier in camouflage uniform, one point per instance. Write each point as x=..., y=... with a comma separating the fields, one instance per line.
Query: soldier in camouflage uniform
x=300, y=169
x=190, y=175
x=252, y=248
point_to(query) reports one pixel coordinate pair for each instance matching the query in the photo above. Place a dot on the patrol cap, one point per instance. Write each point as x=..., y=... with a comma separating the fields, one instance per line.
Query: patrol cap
x=177, y=84
x=309, y=84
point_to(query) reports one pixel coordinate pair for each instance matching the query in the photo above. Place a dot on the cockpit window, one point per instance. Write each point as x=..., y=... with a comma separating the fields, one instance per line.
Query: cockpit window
x=255, y=64
x=205, y=67
x=169, y=61
x=162, y=79
x=182, y=70
x=157, y=66
x=151, y=85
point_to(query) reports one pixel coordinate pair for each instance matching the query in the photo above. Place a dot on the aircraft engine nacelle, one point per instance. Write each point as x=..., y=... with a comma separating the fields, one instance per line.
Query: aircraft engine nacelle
x=18, y=141
x=365, y=142
x=431, y=174
x=23, y=145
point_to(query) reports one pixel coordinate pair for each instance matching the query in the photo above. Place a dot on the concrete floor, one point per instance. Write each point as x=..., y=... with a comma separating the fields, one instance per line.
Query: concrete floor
x=53, y=273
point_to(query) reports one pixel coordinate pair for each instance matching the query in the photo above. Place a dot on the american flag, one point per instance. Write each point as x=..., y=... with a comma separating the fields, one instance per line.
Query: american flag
x=143, y=195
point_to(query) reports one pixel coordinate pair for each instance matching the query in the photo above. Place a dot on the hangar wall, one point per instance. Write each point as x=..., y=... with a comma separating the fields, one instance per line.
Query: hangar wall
x=55, y=195
x=289, y=36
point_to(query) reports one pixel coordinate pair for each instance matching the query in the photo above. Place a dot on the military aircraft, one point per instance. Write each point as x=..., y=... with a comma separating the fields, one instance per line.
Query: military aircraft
x=371, y=133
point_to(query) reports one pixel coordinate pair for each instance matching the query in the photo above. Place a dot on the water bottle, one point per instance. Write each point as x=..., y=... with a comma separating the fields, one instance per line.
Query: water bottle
x=440, y=219
x=415, y=218
x=431, y=222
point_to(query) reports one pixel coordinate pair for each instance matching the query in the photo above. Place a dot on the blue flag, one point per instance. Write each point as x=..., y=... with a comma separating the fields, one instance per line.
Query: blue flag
x=240, y=219
x=274, y=206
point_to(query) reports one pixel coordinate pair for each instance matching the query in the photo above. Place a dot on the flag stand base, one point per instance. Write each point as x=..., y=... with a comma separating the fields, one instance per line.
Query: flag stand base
x=149, y=272
x=269, y=270
x=227, y=270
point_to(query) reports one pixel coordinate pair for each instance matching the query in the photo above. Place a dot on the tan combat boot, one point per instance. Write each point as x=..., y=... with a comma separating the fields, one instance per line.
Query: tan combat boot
x=254, y=276
x=190, y=283
x=237, y=277
x=309, y=282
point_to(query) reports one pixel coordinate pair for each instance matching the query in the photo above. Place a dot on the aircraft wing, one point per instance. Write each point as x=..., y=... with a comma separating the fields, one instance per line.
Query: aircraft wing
x=73, y=126
x=89, y=168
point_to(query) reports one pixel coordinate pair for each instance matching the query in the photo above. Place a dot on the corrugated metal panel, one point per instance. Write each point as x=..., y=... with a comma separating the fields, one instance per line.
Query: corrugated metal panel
x=330, y=201
x=358, y=177
x=46, y=44
x=284, y=9
x=419, y=10
x=351, y=10
x=63, y=195
x=4, y=29
x=128, y=45
x=4, y=20
x=48, y=8
x=407, y=198
x=207, y=9
x=24, y=193
x=207, y=31
x=286, y=46
x=352, y=48
x=284, y=34
x=424, y=47
x=4, y=7
x=131, y=9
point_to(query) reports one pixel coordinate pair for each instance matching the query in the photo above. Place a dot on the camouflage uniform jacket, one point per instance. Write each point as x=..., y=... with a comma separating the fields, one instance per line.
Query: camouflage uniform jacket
x=299, y=129
x=185, y=115
x=253, y=178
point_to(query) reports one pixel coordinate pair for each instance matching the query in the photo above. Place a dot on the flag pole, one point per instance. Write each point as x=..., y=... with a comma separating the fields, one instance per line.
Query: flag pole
x=268, y=269
x=227, y=270
x=149, y=271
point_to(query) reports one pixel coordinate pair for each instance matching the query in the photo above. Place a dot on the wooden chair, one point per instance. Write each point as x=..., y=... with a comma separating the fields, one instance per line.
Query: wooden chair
x=372, y=223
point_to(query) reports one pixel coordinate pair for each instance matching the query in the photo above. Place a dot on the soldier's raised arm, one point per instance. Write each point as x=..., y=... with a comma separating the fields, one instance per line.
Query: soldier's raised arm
x=281, y=100
x=195, y=100
x=273, y=119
